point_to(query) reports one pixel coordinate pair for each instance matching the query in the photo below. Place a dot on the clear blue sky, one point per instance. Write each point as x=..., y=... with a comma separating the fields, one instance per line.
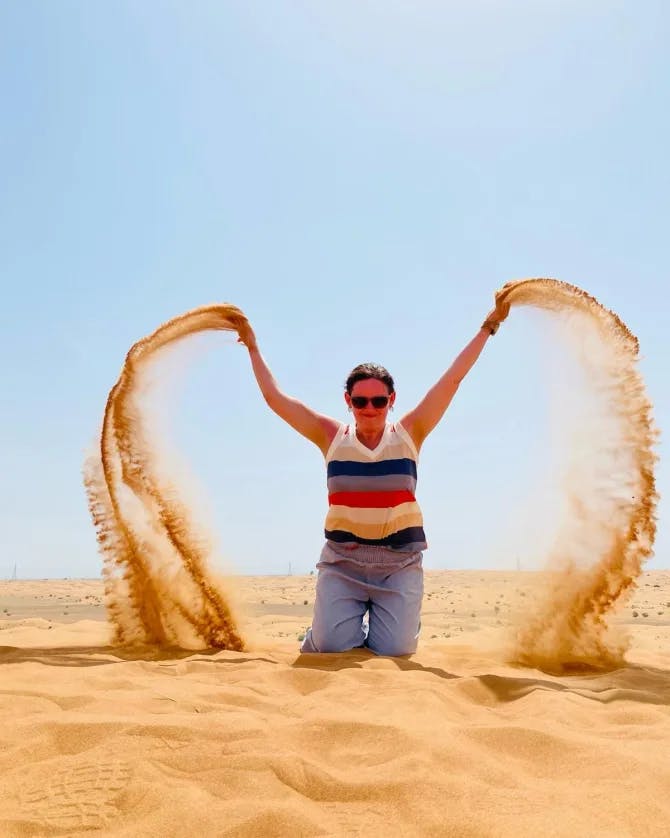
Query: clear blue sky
x=359, y=177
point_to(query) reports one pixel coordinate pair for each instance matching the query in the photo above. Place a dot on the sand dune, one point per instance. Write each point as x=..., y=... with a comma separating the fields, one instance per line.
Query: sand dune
x=451, y=741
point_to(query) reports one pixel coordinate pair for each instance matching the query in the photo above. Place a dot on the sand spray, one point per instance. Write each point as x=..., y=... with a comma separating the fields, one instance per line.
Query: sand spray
x=160, y=588
x=608, y=528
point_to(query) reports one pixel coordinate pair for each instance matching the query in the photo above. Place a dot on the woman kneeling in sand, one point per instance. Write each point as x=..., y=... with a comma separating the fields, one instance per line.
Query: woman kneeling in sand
x=372, y=559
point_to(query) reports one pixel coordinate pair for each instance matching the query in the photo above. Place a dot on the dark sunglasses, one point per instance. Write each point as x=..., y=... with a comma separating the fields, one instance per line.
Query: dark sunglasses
x=359, y=402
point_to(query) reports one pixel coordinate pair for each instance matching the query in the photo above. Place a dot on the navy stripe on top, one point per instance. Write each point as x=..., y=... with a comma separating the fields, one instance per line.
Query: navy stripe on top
x=403, y=538
x=404, y=465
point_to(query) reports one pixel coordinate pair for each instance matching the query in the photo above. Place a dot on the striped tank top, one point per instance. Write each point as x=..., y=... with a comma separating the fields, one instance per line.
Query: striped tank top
x=371, y=493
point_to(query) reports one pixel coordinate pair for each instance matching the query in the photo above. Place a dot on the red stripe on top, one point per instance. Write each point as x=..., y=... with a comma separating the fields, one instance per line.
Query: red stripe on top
x=370, y=500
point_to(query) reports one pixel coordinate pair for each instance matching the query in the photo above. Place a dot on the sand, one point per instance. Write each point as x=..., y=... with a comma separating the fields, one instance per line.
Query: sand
x=449, y=741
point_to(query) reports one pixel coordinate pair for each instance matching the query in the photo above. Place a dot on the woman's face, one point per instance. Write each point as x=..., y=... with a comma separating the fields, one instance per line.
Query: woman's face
x=367, y=416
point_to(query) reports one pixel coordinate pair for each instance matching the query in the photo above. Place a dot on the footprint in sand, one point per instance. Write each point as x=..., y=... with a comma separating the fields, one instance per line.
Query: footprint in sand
x=76, y=797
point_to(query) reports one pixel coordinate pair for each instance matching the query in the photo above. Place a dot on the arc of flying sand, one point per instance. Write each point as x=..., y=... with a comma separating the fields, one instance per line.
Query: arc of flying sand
x=137, y=474
x=142, y=592
x=569, y=629
x=126, y=458
x=119, y=547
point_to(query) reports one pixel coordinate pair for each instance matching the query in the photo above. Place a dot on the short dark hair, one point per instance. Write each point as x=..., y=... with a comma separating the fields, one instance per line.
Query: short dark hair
x=363, y=371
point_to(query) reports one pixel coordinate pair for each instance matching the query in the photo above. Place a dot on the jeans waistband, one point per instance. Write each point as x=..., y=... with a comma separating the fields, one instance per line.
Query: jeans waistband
x=370, y=554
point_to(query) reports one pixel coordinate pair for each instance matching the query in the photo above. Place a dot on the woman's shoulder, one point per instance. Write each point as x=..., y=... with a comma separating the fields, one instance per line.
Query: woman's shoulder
x=338, y=433
x=400, y=432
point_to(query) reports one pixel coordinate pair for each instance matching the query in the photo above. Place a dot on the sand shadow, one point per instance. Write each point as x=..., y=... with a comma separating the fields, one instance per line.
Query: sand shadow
x=106, y=655
x=355, y=658
x=641, y=684
x=644, y=685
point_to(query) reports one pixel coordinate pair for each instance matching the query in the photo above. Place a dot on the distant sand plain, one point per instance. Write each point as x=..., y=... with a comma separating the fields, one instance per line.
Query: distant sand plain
x=450, y=741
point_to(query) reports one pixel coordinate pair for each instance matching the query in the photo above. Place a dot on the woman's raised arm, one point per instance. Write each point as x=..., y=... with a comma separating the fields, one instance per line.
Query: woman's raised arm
x=316, y=427
x=420, y=422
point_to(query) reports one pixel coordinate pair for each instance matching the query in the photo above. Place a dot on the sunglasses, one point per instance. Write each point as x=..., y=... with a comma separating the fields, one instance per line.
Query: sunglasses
x=359, y=402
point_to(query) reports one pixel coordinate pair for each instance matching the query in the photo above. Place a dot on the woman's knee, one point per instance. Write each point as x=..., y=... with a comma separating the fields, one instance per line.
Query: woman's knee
x=330, y=642
x=394, y=648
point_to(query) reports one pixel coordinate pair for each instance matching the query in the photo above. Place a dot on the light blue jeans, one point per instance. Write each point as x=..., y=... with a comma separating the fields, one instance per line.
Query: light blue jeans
x=386, y=586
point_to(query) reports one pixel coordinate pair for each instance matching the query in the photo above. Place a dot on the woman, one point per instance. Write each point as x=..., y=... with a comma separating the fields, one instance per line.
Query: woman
x=371, y=564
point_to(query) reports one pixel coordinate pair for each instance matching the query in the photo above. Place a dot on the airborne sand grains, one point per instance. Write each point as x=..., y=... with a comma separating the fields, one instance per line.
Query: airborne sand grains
x=160, y=589
x=159, y=586
x=609, y=528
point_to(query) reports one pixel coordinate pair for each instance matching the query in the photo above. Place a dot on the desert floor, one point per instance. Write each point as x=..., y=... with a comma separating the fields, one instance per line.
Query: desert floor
x=450, y=741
